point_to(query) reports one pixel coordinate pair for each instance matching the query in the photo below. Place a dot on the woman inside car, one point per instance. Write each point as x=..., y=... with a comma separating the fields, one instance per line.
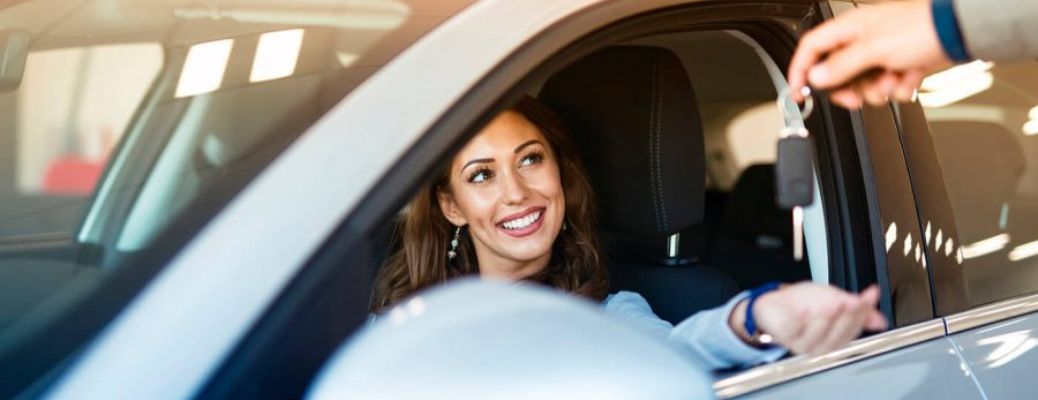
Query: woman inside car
x=515, y=204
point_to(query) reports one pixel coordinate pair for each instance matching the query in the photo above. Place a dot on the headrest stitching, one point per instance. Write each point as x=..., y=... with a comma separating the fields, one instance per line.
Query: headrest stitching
x=653, y=153
x=659, y=143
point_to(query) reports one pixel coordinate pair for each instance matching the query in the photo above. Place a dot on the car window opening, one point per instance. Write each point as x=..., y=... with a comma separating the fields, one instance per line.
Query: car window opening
x=744, y=237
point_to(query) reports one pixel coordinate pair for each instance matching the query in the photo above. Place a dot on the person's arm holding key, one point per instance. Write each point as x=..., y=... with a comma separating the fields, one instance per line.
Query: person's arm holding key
x=881, y=52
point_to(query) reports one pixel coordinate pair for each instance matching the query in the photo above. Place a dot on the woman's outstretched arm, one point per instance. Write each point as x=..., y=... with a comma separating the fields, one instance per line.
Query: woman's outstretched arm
x=705, y=335
x=804, y=318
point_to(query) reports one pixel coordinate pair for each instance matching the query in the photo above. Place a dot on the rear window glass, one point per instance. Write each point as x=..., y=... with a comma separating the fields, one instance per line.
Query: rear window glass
x=983, y=119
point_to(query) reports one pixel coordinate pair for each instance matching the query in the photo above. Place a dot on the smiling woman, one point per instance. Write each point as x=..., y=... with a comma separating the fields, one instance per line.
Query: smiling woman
x=515, y=196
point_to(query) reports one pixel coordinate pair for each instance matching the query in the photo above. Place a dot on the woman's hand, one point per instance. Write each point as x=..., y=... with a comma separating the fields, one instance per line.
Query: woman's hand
x=809, y=318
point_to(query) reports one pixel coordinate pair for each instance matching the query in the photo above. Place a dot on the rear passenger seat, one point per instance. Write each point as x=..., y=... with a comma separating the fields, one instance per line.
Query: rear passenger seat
x=754, y=242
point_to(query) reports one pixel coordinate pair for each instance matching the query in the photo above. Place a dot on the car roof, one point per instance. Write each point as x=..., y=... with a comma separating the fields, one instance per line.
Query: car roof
x=66, y=23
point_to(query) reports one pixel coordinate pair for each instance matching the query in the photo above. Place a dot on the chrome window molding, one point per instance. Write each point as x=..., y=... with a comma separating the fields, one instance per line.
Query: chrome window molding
x=990, y=313
x=800, y=366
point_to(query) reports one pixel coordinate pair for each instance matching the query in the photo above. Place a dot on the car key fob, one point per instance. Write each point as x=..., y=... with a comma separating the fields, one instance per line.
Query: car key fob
x=793, y=172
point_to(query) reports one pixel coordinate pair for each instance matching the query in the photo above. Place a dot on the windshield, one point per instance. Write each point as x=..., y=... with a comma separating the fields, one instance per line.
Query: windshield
x=135, y=121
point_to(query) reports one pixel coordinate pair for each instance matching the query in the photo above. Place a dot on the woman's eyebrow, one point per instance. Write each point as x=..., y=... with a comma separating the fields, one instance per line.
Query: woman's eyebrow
x=527, y=143
x=476, y=161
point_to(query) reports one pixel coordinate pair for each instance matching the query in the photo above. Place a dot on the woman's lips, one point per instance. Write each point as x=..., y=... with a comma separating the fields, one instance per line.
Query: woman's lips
x=537, y=213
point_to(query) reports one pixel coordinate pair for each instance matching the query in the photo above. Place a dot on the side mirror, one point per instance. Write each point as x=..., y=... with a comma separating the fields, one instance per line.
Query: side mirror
x=14, y=48
x=494, y=340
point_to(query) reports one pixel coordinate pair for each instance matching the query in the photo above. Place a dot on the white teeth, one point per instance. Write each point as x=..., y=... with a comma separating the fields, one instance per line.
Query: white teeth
x=523, y=222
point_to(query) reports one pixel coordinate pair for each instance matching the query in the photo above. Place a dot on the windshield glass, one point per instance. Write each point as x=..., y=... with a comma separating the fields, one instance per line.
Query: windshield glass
x=131, y=119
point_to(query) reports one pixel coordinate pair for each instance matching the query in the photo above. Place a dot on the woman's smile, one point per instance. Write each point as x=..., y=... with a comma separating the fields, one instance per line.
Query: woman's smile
x=524, y=223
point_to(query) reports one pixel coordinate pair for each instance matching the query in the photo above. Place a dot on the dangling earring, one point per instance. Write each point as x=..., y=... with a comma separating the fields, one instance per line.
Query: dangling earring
x=565, y=225
x=454, y=245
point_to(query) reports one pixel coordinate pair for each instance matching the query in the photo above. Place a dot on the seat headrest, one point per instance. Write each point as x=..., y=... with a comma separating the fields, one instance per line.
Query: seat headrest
x=632, y=112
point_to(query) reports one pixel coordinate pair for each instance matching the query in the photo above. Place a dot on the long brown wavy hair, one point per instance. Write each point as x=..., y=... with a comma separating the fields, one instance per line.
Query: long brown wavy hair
x=576, y=265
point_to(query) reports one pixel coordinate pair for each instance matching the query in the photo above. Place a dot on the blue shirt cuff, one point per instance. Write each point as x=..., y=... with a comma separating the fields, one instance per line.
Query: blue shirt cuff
x=708, y=335
x=948, y=31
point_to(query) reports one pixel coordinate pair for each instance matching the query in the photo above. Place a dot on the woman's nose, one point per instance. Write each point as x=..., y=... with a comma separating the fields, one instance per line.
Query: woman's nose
x=516, y=189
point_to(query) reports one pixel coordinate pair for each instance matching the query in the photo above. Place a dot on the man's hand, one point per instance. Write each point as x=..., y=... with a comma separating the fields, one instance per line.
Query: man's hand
x=809, y=318
x=870, y=54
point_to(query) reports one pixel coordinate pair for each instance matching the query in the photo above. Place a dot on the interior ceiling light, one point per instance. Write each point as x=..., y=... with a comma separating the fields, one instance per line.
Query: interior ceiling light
x=953, y=76
x=276, y=55
x=204, y=68
x=966, y=88
x=1031, y=126
x=956, y=83
x=346, y=59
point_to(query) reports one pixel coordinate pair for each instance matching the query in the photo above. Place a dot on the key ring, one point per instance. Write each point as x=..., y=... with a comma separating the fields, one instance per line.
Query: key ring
x=809, y=102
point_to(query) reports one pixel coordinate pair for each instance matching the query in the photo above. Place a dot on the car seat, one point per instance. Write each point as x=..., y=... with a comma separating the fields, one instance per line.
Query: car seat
x=633, y=114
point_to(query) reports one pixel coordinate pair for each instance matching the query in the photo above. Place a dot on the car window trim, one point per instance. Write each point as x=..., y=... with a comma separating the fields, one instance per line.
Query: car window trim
x=991, y=313
x=800, y=366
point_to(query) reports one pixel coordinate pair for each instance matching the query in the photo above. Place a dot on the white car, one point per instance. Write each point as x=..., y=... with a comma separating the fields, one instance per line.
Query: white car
x=195, y=197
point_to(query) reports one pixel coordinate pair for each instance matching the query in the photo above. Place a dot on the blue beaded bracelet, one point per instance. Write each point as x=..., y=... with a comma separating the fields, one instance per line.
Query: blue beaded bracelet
x=750, y=325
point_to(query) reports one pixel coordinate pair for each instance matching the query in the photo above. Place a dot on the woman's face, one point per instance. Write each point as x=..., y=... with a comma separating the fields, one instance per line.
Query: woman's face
x=504, y=187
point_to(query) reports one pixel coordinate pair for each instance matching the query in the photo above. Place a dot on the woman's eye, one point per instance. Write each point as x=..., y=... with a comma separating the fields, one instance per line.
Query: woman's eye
x=531, y=159
x=480, y=176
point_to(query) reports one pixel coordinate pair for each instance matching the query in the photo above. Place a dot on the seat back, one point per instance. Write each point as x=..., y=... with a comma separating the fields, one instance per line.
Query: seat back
x=634, y=115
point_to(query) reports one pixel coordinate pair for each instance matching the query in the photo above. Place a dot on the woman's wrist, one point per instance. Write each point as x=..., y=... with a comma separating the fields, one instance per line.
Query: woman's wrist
x=737, y=319
x=742, y=320
x=737, y=323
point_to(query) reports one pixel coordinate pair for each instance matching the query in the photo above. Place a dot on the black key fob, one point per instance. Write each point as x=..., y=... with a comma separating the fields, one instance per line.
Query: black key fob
x=794, y=179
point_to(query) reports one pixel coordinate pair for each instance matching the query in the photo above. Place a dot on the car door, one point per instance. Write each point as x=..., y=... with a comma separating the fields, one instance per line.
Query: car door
x=913, y=358
x=972, y=144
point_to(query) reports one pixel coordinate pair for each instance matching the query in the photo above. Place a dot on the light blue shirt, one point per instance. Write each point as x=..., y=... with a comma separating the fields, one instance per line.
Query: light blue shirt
x=706, y=334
